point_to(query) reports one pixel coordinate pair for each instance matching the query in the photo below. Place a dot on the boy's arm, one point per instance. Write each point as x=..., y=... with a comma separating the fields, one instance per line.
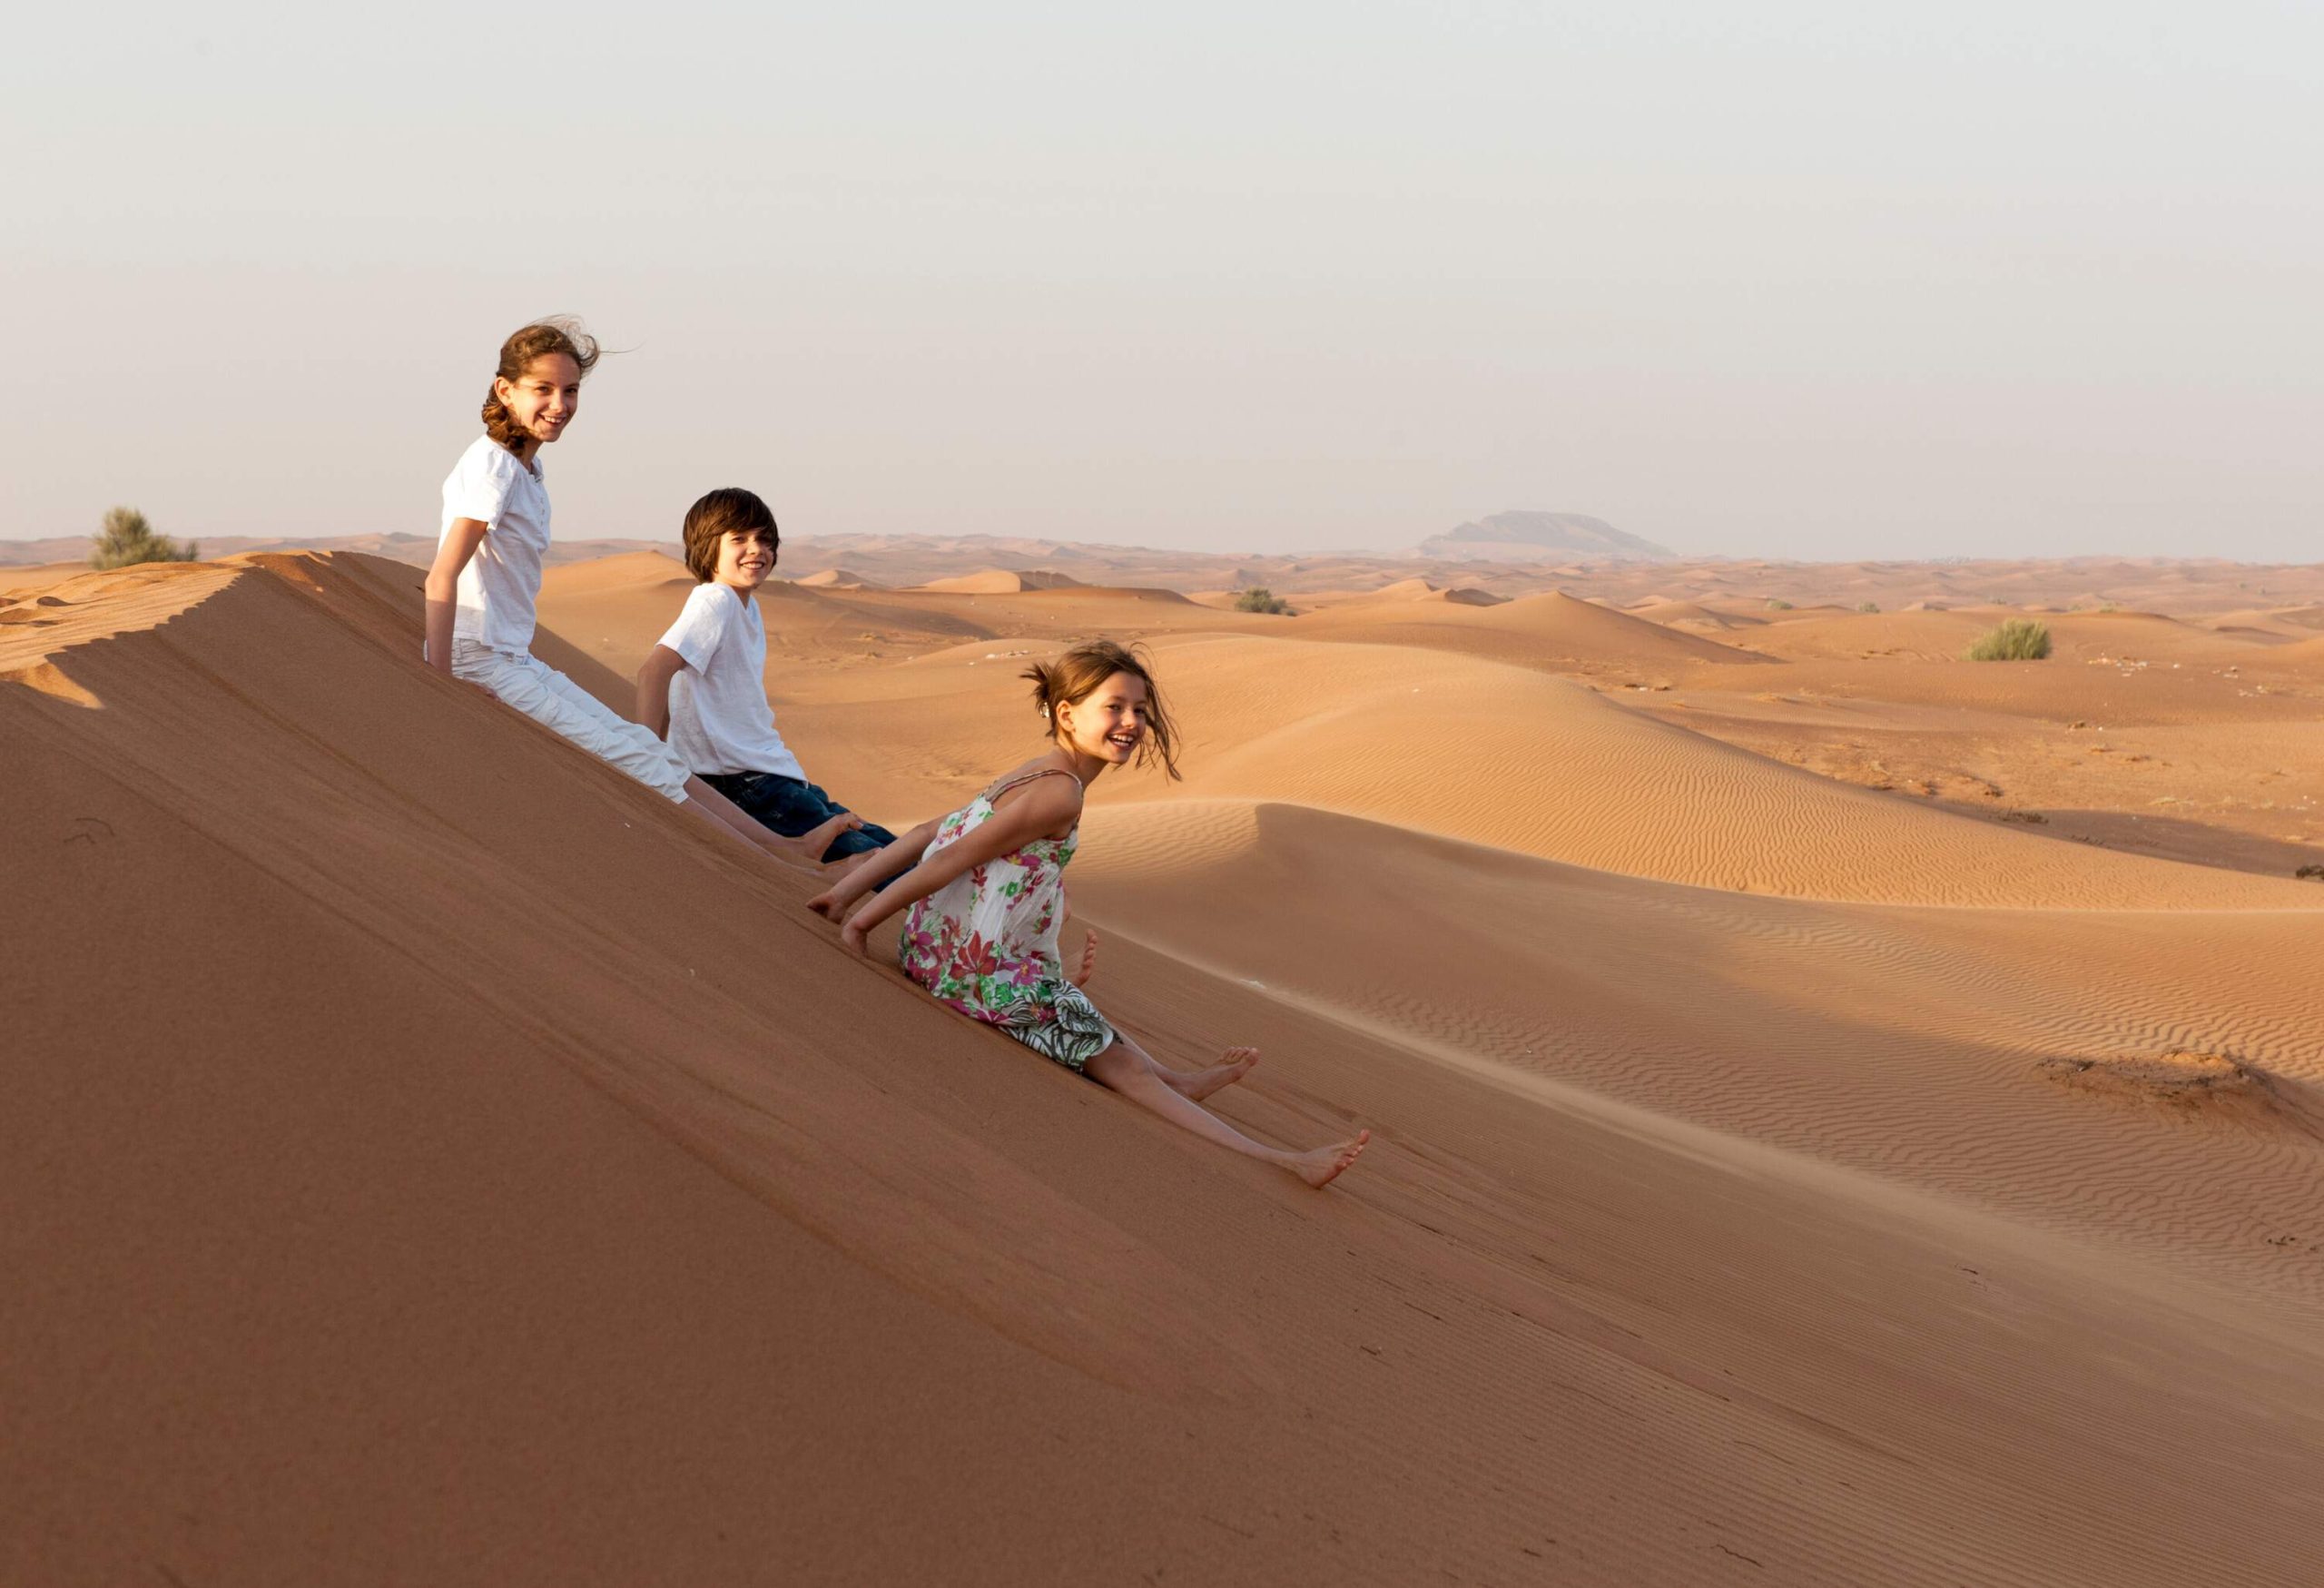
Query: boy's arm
x=662, y=665
x=442, y=587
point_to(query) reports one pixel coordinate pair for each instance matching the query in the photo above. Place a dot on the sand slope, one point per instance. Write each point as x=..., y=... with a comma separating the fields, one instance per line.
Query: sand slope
x=1552, y=630
x=471, y=1174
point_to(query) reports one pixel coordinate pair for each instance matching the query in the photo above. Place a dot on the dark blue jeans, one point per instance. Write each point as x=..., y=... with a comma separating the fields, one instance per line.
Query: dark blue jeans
x=794, y=808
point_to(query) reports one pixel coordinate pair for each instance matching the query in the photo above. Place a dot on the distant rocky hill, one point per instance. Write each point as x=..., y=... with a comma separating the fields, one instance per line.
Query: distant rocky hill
x=1528, y=537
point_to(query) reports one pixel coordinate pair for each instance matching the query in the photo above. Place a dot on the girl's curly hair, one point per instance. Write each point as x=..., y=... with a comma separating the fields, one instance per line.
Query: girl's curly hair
x=557, y=333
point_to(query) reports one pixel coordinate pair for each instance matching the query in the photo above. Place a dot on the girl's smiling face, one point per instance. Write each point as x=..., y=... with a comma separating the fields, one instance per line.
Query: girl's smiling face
x=541, y=401
x=745, y=557
x=1108, y=724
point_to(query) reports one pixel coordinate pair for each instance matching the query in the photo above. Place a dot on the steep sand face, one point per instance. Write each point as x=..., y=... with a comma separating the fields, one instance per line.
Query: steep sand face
x=430, y=1159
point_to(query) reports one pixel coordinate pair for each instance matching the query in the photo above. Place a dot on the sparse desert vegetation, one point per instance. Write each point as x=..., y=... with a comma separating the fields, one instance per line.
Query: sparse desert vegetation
x=128, y=538
x=2021, y=639
x=1259, y=599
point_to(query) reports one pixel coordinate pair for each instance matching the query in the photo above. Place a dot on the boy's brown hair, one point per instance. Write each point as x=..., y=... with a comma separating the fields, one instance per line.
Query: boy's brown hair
x=731, y=510
x=1079, y=673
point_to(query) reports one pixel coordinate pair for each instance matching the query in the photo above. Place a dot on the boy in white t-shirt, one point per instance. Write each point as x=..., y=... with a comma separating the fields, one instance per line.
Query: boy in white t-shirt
x=704, y=687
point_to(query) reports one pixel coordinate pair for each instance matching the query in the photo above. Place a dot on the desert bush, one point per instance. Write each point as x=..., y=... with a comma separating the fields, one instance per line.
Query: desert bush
x=1777, y=604
x=1259, y=599
x=2021, y=639
x=1867, y=606
x=128, y=538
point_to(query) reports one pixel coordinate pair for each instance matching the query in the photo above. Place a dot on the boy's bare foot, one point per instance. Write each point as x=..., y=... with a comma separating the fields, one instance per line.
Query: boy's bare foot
x=1233, y=1066
x=1322, y=1167
x=820, y=838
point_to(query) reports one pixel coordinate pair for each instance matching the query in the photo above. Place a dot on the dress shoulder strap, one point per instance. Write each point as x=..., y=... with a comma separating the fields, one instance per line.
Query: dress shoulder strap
x=993, y=794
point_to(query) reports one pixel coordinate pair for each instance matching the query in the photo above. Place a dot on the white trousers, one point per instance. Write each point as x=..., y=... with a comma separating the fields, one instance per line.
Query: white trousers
x=551, y=699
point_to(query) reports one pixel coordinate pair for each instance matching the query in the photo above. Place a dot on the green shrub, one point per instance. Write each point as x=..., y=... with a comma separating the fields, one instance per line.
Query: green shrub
x=127, y=539
x=1259, y=599
x=2021, y=639
x=1777, y=604
x=1867, y=606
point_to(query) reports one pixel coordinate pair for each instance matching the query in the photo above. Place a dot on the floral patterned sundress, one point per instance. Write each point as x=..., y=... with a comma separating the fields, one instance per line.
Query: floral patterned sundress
x=985, y=941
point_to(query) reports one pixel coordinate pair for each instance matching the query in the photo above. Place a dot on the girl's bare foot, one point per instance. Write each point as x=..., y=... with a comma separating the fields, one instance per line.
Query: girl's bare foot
x=1233, y=1066
x=1322, y=1167
x=1089, y=962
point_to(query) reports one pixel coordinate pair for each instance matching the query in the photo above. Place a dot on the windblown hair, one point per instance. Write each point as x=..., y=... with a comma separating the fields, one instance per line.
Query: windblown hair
x=1082, y=671
x=731, y=510
x=558, y=333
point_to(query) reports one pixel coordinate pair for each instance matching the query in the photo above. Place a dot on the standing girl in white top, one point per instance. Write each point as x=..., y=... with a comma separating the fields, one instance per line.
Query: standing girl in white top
x=487, y=575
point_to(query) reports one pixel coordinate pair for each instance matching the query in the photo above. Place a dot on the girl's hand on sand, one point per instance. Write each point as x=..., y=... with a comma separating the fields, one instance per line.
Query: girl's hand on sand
x=1089, y=962
x=850, y=937
x=827, y=904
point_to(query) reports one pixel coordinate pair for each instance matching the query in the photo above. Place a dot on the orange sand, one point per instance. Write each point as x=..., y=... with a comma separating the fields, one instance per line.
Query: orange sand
x=431, y=1159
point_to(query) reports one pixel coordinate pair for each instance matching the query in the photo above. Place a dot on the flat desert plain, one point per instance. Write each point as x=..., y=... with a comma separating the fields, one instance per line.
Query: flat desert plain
x=1843, y=1114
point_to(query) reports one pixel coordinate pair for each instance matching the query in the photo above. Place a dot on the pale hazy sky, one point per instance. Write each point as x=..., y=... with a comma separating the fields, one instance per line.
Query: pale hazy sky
x=1780, y=279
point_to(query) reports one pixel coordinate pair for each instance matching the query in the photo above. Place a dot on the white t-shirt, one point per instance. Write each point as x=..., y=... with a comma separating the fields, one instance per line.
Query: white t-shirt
x=720, y=721
x=495, y=603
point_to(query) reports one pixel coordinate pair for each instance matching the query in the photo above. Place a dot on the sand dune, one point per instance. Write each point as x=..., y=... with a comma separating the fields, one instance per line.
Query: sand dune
x=1944, y=1014
x=1001, y=582
x=1422, y=590
x=1545, y=767
x=1552, y=629
x=839, y=580
x=1685, y=612
x=469, y=1172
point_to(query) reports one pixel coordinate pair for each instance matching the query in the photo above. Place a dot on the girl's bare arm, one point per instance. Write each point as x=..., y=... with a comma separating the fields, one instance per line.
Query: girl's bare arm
x=895, y=860
x=1041, y=808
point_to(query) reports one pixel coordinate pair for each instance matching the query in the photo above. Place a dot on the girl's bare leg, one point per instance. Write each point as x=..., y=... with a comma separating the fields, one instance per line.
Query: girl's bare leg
x=1125, y=1068
x=1196, y=1084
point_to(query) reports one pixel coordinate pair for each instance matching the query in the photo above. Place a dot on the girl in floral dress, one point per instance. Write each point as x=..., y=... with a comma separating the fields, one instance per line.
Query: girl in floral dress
x=986, y=890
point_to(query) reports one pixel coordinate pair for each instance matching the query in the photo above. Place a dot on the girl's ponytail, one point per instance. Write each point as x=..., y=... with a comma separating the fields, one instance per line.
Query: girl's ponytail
x=557, y=333
x=1042, y=677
